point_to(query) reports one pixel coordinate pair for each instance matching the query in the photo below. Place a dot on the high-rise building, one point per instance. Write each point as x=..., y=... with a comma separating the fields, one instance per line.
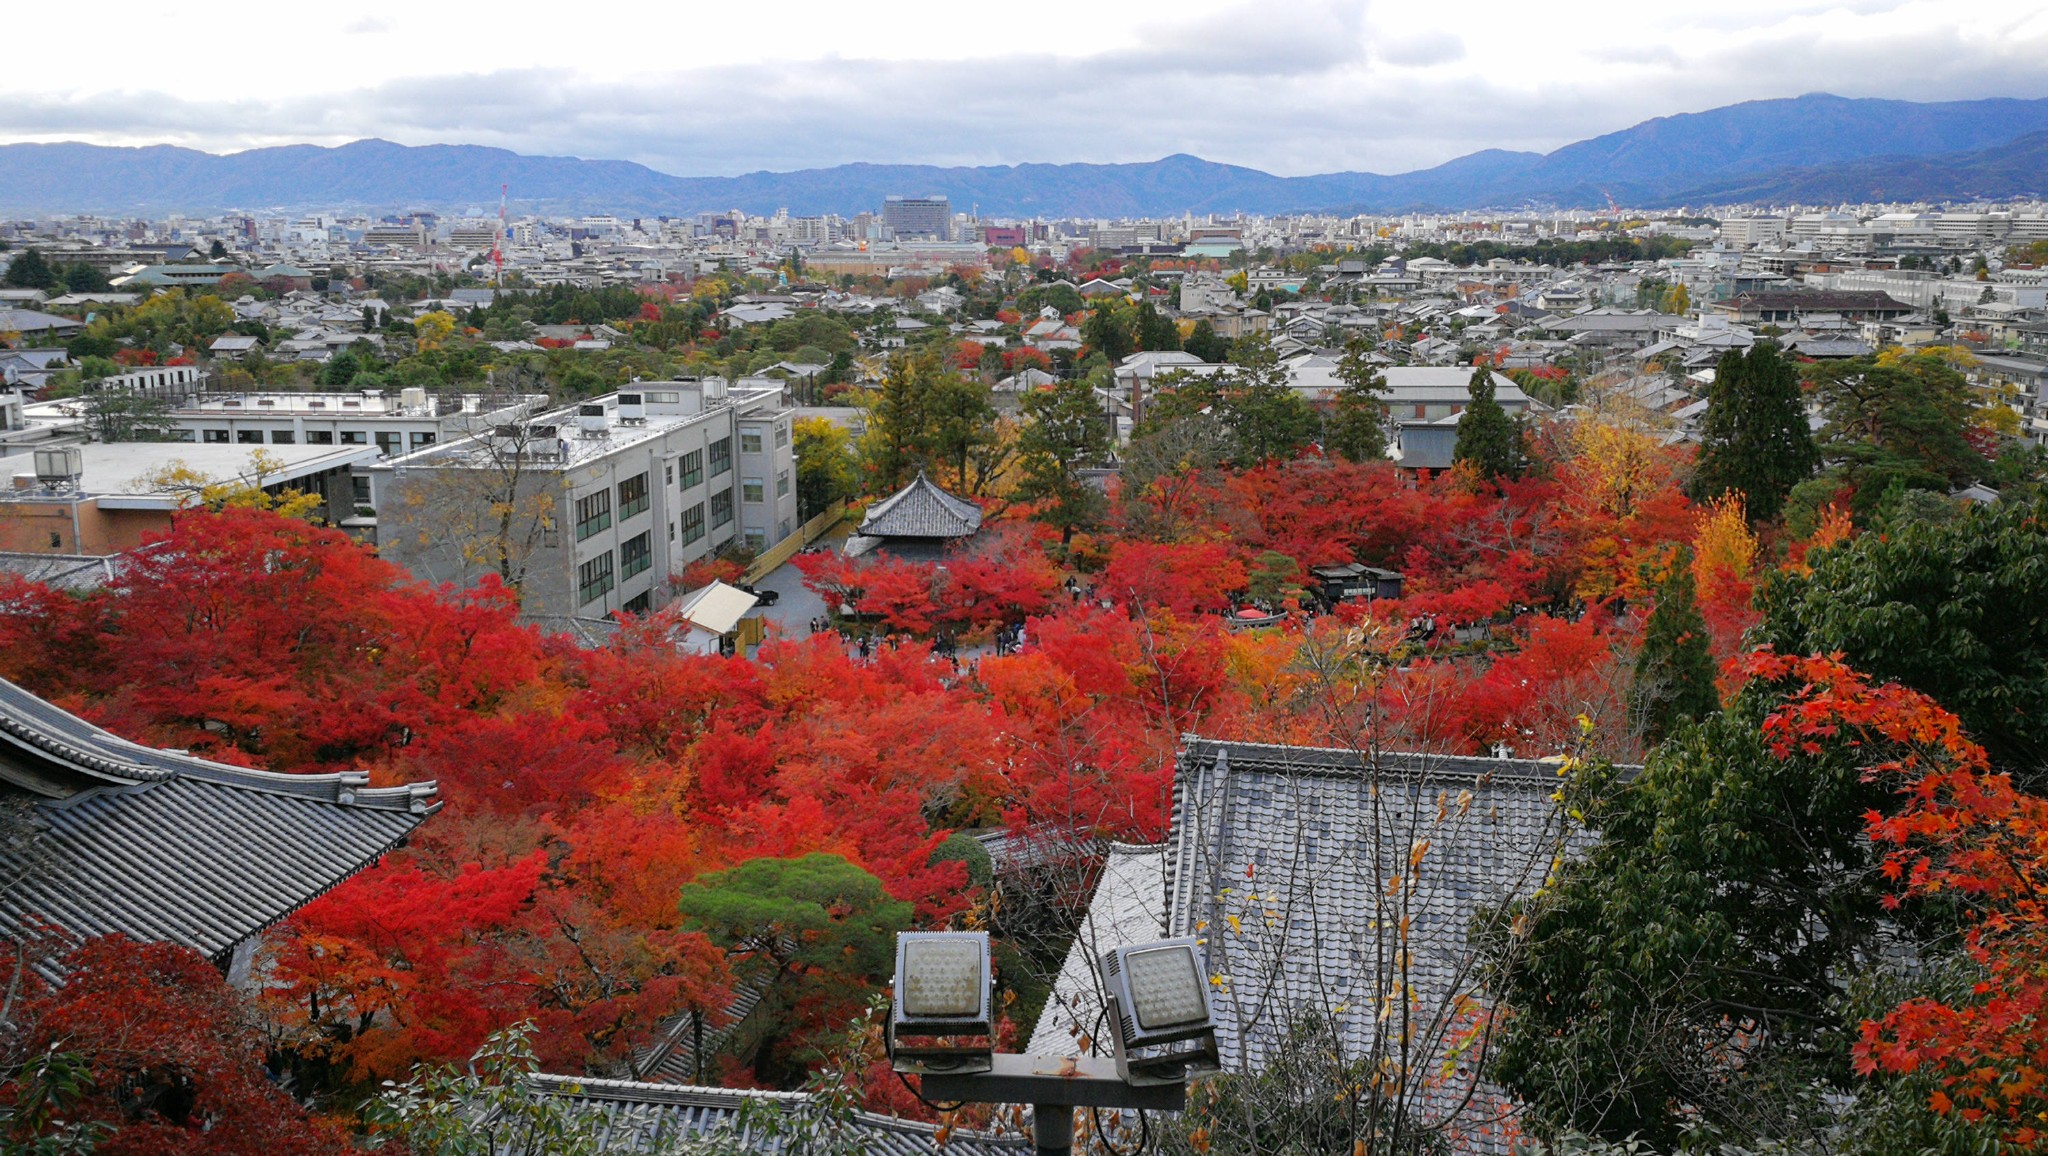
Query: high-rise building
x=919, y=218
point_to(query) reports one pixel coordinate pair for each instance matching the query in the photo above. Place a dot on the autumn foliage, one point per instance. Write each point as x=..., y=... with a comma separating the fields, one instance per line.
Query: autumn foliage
x=1962, y=833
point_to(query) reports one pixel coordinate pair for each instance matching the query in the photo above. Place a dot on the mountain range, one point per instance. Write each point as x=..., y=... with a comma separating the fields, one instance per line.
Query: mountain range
x=1810, y=149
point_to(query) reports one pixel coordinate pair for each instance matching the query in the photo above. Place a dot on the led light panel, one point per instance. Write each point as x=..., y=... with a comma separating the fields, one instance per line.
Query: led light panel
x=1166, y=987
x=942, y=977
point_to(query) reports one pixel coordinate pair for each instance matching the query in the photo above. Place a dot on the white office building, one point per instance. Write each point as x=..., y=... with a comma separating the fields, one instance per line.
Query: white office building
x=609, y=498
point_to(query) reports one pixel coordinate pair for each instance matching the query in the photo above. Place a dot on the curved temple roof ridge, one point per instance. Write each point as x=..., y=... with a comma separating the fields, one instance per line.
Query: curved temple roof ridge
x=164, y=846
x=91, y=757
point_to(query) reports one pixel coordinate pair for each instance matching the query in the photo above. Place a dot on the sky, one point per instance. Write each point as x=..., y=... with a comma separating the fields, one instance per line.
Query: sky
x=700, y=89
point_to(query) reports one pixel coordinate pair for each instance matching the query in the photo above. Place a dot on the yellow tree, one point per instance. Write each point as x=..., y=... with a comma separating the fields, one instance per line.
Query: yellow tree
x=433, y=328
x=198, y=489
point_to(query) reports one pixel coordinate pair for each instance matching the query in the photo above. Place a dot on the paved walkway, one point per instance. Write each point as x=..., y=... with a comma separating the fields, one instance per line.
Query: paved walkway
x=797, y=605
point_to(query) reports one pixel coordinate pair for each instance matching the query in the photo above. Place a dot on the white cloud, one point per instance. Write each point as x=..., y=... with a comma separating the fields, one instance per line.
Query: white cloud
x=1291, y=87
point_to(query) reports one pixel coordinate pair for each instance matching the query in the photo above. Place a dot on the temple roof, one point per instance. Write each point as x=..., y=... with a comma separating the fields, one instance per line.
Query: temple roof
x=160, y=845
x=921, y=510
x=643, y=1117
x=1278, y=856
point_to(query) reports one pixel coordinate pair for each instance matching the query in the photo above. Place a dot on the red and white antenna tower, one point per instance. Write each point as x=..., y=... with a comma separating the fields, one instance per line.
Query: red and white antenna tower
x=498, y=250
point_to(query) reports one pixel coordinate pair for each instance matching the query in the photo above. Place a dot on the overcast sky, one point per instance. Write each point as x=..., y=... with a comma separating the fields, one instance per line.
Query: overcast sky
x=700, y=89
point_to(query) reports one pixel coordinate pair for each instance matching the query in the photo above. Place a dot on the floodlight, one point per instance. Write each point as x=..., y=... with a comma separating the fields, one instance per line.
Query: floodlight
x=1159, y=998
x=940, y=1019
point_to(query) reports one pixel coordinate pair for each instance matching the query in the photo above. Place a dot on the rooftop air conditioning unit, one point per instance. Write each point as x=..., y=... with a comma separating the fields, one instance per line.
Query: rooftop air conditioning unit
x=412, y=397
x=59, y=468
x=593, y=419
x=633, y=408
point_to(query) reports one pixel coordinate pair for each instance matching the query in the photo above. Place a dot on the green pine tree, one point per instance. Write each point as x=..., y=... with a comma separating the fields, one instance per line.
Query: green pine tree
x=1357, y=427
x=1674, y=681
x=1487, y=436
x=29, y=271
x=1755, y=439
x=1067, y=432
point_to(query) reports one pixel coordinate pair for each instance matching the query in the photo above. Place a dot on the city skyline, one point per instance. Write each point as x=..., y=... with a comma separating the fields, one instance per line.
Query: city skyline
x=1293, y=89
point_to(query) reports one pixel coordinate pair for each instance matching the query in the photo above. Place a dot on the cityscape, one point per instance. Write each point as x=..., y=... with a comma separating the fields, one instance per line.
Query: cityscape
x=1371, y=633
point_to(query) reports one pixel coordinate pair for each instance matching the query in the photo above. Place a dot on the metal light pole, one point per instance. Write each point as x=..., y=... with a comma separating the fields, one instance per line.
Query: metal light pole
x=1054, y=1087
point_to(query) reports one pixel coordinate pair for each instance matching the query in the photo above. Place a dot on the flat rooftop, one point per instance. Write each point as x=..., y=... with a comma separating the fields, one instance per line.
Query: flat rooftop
x=576, y=449
x=120, y=469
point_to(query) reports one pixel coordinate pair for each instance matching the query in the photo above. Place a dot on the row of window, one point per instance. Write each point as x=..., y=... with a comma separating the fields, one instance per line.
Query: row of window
x=633, y=497
x=593, y=513
x=594, y=579
x=635, y=556
x=750, y=438
x=390, y=443
x=756, y=489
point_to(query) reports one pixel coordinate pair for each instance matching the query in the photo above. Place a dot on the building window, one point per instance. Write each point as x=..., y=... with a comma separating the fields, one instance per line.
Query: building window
x=216, y=437
x=640, y=603
x=354, y=437
x=693, y=468
x=782, y=529
x=721, y=456
x=635, y=556
x=750, y=441
x=282, y=437
x=593, y=513
x=594, y=578
x=757, y=539
x=632, y=496
x=782, y=484
x=319, y=437
x=781, y=434
x=249, y=437
x=422, y=440
x=360, y=490
x=668, y=474
x=390, y=444
x=721, y=508
x=753, y=490
x=693, y=523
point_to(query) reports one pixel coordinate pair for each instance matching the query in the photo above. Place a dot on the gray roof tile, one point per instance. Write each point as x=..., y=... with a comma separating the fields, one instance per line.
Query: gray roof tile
x=921, y=510
x=159, y=845
x=1300, y=845
x=642, y=1117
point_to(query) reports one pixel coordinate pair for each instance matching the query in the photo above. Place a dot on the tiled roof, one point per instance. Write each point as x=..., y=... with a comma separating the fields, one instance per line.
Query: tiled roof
x=646, y=1117
x=160, y=845
x=1129, y=907
x=1298, y=844
x=921, y=510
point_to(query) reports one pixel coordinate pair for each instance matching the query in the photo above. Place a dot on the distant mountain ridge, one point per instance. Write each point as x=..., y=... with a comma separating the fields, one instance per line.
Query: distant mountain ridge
x=1756, y=151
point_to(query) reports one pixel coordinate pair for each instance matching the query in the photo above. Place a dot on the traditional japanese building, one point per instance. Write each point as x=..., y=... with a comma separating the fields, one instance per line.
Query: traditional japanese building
x=108, y=836
x=1334, y=884
x=920, y=517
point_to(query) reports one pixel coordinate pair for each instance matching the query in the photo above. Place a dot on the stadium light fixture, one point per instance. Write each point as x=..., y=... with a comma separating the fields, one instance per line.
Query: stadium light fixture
x=940, y=1020
x=1159, y=1000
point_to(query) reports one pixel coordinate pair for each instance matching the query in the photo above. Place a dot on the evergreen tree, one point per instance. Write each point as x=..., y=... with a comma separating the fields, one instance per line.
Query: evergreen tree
x=80, y=277
x=1487, y=437
x=1204, y=342
x=1270, y=420
x=1066, y=432
x=1674, y=681
x=1357, y=427
x=1156, y=330
x=1755, y=439
x=1108, y=331
x=29, y=271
